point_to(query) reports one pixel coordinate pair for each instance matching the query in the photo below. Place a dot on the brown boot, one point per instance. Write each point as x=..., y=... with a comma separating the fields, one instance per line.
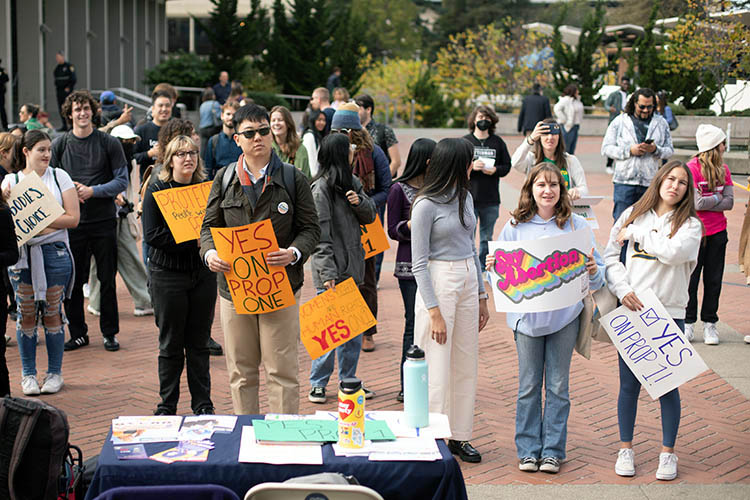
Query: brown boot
x=368, y=344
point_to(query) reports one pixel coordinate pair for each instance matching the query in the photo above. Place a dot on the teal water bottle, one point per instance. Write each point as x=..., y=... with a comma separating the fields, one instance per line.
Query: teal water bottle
x=416, y=394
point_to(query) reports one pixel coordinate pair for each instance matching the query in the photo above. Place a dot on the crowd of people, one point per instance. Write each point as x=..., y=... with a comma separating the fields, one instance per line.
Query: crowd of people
x=318, y=182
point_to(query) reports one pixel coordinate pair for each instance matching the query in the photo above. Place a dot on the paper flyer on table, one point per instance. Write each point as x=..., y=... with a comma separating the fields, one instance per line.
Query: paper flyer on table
x=252, y=452
x=421, y=449
x=439, y=427
x=129, y=430
x=203, y=426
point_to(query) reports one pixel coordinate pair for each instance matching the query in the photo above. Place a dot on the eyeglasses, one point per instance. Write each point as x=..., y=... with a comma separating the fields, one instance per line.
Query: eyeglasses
x=249, y=134
x=340, y=131
x=182, y=154
x=647, y=107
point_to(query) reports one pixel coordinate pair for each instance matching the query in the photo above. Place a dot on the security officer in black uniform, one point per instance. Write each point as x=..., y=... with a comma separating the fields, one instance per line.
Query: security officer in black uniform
x=65, y=81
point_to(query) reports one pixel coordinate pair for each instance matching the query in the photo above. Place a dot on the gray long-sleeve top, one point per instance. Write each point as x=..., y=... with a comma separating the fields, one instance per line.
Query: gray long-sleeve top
x=437, y=234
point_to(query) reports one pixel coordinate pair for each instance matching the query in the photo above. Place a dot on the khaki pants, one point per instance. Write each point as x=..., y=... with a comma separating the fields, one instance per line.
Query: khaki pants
x=452, y=367
x=272, y=339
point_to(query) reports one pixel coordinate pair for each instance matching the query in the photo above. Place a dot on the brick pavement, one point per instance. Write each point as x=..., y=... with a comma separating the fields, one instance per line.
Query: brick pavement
x=713, y=443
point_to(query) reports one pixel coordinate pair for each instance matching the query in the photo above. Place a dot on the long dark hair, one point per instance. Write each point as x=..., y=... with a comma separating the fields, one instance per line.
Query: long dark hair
x=416, y=163
x=173, y=128
x=643, y=91
x=527, y=208
x=334, y=163
x=311, y=116
x=28, y=141
x=685, y=208
x=448, y=173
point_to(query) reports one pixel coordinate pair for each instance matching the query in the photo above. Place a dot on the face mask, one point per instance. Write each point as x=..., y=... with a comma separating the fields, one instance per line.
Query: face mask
x=128, y=149
x=483, y=125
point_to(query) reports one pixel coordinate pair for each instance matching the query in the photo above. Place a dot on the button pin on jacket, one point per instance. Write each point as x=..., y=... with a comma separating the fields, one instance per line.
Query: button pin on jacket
x=283, y=208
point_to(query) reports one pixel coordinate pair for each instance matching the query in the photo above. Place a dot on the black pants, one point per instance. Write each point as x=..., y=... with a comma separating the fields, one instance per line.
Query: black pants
x=711, y=262
x=98, y=239
x=183, y=304
x=3, y=114
x=4, y=379
x=409, y=295
x=369, y=291
x=61, y=95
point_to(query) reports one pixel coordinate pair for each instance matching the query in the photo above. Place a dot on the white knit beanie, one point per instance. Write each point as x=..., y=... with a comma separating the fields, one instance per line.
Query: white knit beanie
x=708, y=137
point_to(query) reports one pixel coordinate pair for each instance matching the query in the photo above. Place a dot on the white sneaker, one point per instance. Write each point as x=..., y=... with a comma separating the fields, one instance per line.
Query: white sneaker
x=625, y=465
x=710, y=334
x=690, y=331
x=30, y=385
x=86, y=290
x=53, y=382
x=667, y=466
x=93, y=311
x=143, y=311
x=747, y=339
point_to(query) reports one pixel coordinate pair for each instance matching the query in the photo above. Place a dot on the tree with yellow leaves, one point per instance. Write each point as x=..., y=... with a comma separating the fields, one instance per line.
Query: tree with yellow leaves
x=717, y=47
x=490, y=60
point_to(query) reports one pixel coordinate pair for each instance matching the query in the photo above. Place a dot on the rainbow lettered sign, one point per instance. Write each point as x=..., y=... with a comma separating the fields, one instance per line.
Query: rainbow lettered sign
x=540, y=275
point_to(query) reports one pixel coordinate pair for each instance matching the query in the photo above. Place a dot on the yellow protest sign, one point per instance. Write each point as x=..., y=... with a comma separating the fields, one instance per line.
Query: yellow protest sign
x=333, y=318
x=183, y=208
x=33, y=207
x=374, y=240
x=256, y=287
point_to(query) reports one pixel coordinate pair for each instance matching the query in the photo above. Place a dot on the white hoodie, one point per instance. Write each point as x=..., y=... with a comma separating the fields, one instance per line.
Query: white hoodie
x=654, y=260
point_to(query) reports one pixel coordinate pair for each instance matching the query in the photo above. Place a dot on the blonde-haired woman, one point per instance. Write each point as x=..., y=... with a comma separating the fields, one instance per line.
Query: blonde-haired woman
x=714, y=194
x=182, y=288
x=286, y=142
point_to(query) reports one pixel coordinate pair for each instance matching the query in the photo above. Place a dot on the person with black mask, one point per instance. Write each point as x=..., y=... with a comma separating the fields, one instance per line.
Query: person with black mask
x=491, y=161
x=129, y=263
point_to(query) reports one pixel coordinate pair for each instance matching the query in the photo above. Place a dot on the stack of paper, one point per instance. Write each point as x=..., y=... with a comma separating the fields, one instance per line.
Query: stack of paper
x=203, y=426
x=252, y=452
x=129, y=430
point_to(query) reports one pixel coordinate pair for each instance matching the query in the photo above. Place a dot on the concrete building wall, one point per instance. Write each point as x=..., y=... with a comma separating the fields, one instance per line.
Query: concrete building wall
x=109, y=42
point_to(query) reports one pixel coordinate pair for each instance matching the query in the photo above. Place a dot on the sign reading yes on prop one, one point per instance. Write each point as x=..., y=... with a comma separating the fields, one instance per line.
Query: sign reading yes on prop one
x=540, y=275
x=653, y=346
x=255, y=286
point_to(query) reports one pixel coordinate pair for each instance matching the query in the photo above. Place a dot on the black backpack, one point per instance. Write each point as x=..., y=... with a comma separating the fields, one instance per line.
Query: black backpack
x=33, y=448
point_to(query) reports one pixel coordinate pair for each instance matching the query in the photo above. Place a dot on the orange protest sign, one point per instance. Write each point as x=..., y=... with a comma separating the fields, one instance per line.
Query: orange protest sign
x=183, y=208
x=333, y=318
x=374, y=240
x=256, y=287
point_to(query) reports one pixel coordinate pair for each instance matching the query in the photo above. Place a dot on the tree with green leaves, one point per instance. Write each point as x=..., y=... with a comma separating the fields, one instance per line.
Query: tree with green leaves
x=391, y=28
x=645, y=57
x=232, y=37
x=585, y=64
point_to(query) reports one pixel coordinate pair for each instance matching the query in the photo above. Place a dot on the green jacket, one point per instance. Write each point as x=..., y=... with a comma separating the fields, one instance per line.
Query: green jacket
x=34, y=124
x=301, y=160
x=298, y=227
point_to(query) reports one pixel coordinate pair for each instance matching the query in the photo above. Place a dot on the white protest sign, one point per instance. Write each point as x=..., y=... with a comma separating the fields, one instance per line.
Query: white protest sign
x=583, y=207
x=540, y=275
x=33, y=207
x=652, y=345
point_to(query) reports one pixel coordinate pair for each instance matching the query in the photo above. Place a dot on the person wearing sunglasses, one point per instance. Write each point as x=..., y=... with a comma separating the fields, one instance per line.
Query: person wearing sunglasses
x=637, y=140
x=257, y=187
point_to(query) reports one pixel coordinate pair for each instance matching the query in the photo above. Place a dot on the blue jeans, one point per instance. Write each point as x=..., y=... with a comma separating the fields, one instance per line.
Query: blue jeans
x=486, y=217
x=571, y=139
x=627, y=405
x=545, y=359
x=408, y=295
x=624, y=196
x=58, y=265
x=348, y=354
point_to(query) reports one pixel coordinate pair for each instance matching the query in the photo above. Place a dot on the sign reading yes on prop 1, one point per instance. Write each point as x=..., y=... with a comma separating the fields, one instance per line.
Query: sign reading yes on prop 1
x=653, y=346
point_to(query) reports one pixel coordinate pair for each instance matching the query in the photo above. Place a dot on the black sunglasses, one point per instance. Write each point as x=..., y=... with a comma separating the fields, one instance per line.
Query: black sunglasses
x=249, y=134
x=648, y=106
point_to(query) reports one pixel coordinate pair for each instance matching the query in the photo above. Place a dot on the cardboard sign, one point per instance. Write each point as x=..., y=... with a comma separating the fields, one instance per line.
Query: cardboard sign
x=333, y=318
x=374, y=240
x=540, y=275
x=583, y=207
x=653, y=346
x=183, y=208
x=33, y=207
x=256, y=287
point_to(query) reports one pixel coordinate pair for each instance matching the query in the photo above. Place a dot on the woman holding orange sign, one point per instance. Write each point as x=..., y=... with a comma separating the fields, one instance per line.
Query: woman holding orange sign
x=182, y=288
x=342, y=206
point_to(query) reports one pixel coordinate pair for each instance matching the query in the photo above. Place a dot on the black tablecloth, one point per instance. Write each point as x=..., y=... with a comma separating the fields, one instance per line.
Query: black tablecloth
x=441, y=479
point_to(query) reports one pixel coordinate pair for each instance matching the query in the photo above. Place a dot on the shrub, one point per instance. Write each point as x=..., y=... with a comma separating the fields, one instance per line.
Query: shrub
x=267, y=99
x=182, y=69
x=700, y=112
